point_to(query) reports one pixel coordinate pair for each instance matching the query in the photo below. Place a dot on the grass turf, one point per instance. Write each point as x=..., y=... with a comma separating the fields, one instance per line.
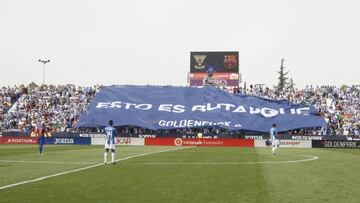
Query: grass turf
x=200, y=174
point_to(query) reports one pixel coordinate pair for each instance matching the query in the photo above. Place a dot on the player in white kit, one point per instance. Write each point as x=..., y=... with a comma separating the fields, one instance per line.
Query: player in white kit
x=110, y=133
x=274, y=141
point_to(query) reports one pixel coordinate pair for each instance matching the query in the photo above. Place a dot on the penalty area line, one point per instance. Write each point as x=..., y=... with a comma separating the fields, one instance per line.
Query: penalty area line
x=83, y=168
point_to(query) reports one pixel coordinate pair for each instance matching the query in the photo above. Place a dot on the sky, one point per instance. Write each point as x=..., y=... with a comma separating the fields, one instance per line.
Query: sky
x=143, y=42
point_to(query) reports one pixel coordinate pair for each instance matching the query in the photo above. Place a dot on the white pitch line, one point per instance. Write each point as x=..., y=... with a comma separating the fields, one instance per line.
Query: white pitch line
x=45, y=162
x=27, y=146
x=311, y=158
x=81, y=169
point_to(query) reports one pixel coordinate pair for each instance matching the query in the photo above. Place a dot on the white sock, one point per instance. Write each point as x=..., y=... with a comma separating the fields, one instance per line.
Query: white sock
x=274, y=149
x=105, y=157
x=113, y=157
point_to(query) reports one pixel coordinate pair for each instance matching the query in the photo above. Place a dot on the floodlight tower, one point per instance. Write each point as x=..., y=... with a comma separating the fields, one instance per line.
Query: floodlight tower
x=44, y=62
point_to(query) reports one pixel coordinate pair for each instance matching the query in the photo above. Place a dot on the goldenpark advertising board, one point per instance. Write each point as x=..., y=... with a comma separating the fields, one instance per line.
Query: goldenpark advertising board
x=335, y=144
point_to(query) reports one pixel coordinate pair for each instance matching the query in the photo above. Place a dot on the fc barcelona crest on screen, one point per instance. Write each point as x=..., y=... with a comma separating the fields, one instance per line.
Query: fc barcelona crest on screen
x=230, y=61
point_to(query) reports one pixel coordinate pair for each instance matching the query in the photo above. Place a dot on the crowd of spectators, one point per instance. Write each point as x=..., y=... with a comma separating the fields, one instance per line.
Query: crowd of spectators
x=59, y=107
x=8, y=96
x=23, y=108
x=340, y=106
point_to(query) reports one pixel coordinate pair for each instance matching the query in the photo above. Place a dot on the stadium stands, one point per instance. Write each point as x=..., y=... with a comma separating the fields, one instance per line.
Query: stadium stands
x=58, y=106
x=340, y=106
x=22, y=108
x=8, y=96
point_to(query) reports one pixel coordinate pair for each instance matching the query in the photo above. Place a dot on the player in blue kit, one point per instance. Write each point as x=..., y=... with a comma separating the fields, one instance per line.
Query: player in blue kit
x=110, y=133
x=274, y=140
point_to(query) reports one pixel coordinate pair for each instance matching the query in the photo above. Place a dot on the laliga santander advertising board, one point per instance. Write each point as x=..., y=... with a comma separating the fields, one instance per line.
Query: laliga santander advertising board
x=199, y=142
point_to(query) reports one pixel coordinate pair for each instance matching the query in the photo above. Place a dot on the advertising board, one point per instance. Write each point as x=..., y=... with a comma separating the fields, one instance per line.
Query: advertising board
x=68, y=140
x=17, y=140
x=218, y=82
x=287, y=143
x=101, y=135
x=255, y=137
x=198, y=142
x=218, y=76
x=119, y=141
x=295, y=143
x=335, y=144
x=129, y=141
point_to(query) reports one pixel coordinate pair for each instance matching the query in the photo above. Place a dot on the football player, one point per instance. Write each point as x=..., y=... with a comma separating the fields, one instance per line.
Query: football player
x=110, y=133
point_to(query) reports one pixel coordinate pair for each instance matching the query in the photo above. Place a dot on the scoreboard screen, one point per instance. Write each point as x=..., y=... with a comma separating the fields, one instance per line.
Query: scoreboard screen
x=214, y=62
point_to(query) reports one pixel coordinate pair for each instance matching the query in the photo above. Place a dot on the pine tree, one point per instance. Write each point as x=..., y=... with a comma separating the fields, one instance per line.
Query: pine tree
x=32, y=85
x=291, y=84
x=282, y=77
x=23, y=89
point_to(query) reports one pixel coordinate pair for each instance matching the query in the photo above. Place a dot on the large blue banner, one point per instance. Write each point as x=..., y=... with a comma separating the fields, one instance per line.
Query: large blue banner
x=157, y=107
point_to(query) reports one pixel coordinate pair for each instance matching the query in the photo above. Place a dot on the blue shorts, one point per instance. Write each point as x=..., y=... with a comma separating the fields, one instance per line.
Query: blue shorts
x=41, y=141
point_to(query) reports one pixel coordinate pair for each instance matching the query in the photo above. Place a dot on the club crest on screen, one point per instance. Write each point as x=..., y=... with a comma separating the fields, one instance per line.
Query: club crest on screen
x=199, y=61
x=230, y=61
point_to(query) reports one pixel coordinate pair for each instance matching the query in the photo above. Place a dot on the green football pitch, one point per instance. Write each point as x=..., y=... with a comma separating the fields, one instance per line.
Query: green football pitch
x=169, y=174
